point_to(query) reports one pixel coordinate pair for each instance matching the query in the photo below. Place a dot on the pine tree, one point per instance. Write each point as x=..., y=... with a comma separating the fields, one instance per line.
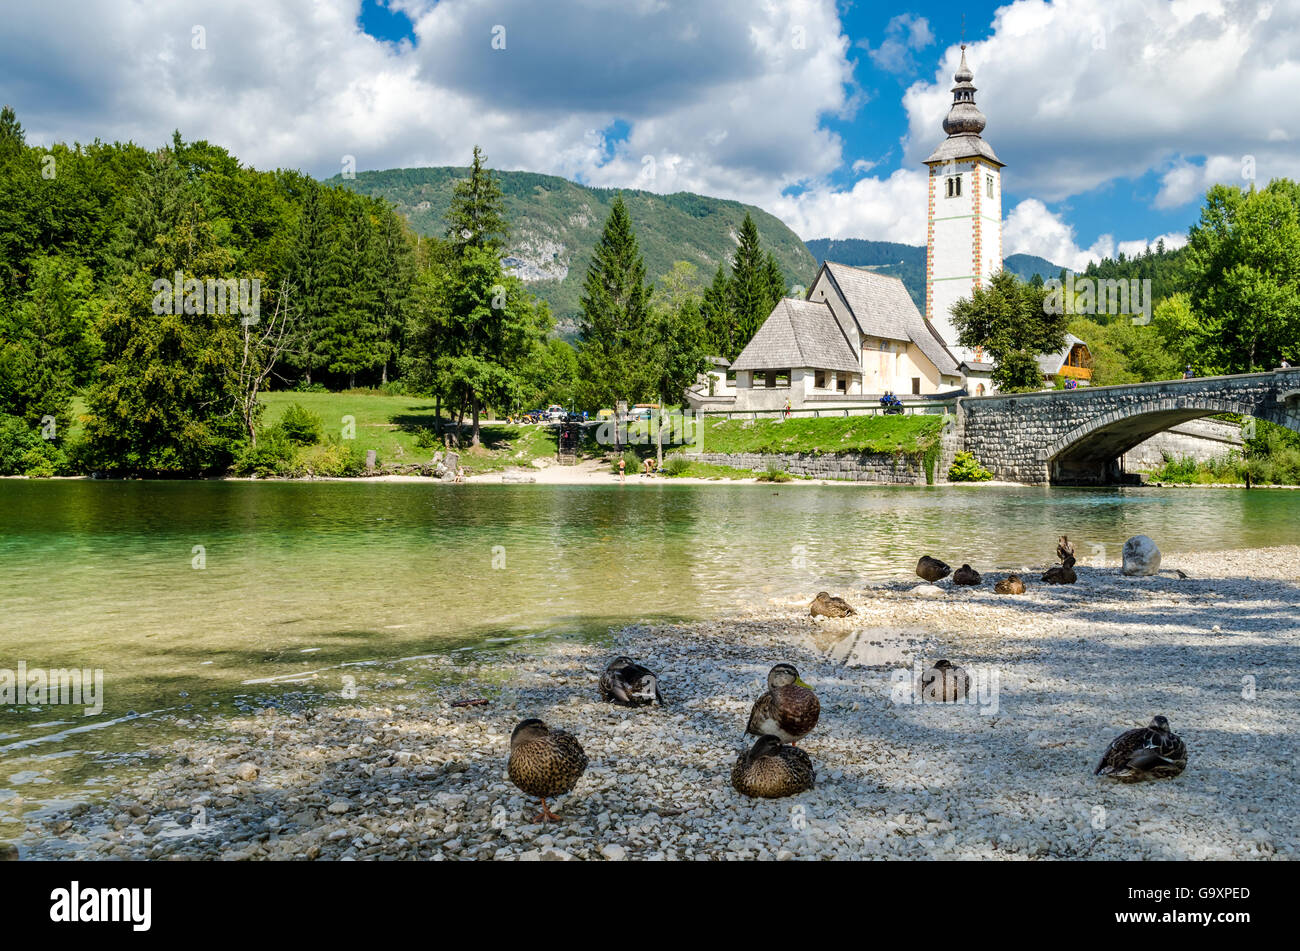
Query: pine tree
x=751, y=287
x=715, y=311
x=615, y=315
x=315, y=275
x=12, y=138
x=476, y=217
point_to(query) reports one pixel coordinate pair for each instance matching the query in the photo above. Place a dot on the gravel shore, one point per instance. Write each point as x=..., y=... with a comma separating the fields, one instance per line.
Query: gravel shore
x=1059, y=671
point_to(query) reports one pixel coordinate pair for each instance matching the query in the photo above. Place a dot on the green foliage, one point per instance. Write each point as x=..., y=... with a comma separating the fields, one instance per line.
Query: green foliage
x=965, y=468
x=1009, y=320
x=476, y=217
x=300, y=425
x=773, y=474
x=756, y=284
x=615, y=347
x=676, y=465
x=1280, y=467
x=1244, y=278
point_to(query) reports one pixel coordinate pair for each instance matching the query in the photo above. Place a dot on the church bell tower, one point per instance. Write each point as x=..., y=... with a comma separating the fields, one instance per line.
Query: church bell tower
x=963, y=246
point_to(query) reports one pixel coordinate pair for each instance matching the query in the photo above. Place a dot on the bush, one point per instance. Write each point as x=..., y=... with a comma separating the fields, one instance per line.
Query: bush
x=676, y=466
x=301, y=425
x=272, y=456
x=17, y=438
x=632, y=460
x=965, y=468
x=773, y=474
x=334, y=459
x=302, y=386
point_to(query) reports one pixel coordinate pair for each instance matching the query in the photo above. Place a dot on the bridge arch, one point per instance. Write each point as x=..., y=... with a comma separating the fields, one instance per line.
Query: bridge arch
x=1092, y=451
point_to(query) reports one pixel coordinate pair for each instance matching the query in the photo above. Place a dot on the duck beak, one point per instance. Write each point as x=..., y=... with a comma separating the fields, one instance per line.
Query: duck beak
x=799, y=683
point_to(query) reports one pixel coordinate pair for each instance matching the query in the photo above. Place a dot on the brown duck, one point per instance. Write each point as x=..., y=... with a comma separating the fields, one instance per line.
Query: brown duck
x=944, y=682
x=966, y=575
x=788, y=710
x=544, y=763
x=1149, y=752
x=931, y=569
x=628, y=684
x=1011, y=584
x=1060, y=574
x=824, y=605
x=771, y=770
x=1065, y=551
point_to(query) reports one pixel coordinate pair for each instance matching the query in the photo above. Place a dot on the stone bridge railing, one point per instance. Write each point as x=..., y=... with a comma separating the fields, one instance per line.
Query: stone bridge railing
x=1079, y=436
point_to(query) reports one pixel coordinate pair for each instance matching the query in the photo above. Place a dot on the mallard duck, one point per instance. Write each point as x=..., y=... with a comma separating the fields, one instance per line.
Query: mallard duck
x=1065, y=551
x=944, y=682
x=1149, y=752
x=771, y=770
x=827, y=606
x=1011, y=584
x=1060, y=574
x=931, y=569
x=966, y=575
x=544, y=763
x=628, y=684
x=789, y=709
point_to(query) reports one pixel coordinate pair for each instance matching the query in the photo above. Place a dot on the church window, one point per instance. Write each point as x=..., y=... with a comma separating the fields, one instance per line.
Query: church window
x=916, y=386
x=954, y=186
x=988, y=185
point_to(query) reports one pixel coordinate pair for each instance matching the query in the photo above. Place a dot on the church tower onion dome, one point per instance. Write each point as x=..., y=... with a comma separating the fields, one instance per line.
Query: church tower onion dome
x=964, y=122
x=964, y=118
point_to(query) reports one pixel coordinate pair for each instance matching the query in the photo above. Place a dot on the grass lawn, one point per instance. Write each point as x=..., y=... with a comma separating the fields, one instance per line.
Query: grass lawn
x=394, y=426
x=906, y=434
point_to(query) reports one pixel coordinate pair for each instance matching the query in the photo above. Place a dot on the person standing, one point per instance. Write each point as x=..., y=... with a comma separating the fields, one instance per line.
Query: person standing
x=622, y=468
x=1188, y=374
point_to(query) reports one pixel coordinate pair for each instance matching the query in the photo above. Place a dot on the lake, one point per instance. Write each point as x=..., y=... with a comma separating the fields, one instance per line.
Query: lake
x=213, y=596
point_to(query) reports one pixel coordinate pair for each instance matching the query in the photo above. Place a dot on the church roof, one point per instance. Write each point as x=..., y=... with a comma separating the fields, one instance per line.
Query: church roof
x=961, y=147
x=799, y=333
x=883, y=308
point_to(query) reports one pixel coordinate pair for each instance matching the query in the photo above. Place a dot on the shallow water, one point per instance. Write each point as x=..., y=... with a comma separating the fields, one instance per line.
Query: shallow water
x=204, y=597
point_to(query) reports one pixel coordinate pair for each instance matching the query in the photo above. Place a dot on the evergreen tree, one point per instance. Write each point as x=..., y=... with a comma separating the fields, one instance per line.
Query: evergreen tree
x=715, y=310
x=614, y=352
x=476, y=217
x=754, y=290
x=316, y=275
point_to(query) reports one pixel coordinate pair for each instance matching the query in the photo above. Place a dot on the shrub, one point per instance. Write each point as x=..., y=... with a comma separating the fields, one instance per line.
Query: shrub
x=334, y=458
x=965, y=468
x=44, y=460
x=17, y=438
x=773, y=474
x=272, y=456
x=301, y=425
x=676, y=466
x=302, y=386
x=632, y=460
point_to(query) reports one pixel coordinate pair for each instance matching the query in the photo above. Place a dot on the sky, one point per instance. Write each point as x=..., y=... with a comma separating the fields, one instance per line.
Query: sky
x=1113, y=116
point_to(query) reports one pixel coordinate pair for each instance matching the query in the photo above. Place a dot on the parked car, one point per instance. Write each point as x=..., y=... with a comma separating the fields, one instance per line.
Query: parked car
x=555, y=413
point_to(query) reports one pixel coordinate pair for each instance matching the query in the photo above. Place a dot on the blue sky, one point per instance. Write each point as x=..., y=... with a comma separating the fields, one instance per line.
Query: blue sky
x=1113, y=116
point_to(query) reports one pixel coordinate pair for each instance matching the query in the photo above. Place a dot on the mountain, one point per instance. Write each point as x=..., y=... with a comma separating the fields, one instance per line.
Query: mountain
x=907, y=262
x=554, y=223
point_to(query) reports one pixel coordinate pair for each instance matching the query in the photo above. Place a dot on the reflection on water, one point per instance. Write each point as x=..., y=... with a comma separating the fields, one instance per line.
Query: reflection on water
x=298, y=578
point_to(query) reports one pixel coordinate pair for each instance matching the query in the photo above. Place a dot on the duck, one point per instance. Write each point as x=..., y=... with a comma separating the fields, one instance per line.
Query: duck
x=771, y=770
x=788, y=710
x=1149, y=752
x=1060, y=574
x=966, y=575
x=945, y=682
x=825, y=605
x=1011, y=584
x=628, y=684
x=1065, y=551
x=544, y=763
x=931, y=569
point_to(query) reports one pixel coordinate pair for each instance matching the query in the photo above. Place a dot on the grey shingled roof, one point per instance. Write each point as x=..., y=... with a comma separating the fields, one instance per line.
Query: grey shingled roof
x=799, y=333
x=883, y=308
x=1051, y=363
x=962, y=147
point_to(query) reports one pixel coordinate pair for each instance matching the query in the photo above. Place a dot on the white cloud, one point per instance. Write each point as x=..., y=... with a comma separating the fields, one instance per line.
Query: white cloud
x=885, y=209
x=904, y=34
x=1032, y=228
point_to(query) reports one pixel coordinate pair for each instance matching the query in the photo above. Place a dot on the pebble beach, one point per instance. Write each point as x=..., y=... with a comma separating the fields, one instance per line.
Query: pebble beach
x=401, y=773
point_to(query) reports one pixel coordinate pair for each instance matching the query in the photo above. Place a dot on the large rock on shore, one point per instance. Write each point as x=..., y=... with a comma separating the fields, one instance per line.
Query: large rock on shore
x=1141, y=556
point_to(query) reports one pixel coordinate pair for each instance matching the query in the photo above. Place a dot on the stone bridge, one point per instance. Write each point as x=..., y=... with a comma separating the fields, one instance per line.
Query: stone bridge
x=1078, y=437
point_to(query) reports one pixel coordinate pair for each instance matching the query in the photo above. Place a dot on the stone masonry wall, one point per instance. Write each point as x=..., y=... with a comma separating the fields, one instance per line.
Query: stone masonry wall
x=851, y=467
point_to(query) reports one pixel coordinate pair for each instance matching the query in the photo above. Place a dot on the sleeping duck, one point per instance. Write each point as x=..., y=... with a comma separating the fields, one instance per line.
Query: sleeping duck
x=1060, y=574
x=628, y=684
x=1011, y=584
x=931, y=569
x=788, y=710
x=944, y=682
x=966, y=575
x=544, y=763
x=824, y=605
x=1149, y=752
x=771, y=770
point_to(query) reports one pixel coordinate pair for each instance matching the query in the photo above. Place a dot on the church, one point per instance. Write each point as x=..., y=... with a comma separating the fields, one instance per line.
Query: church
x=857, y=333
